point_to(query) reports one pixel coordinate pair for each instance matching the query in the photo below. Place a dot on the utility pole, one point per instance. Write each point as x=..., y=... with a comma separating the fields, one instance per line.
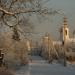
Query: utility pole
x=1, y=58
x=65, y=63
x=64, y=54
x=49, y=50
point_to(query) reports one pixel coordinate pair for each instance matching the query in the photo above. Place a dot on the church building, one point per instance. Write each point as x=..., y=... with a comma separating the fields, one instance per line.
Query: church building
x=64, y=33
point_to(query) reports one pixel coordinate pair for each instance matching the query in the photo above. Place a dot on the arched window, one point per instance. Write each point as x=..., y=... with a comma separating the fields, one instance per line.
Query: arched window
x=66, y=32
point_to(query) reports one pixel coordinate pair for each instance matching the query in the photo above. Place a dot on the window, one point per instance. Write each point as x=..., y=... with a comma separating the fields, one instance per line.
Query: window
x=66, y=32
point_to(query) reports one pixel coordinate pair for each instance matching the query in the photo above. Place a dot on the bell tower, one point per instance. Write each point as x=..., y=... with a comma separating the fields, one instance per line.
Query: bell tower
x=65, y=30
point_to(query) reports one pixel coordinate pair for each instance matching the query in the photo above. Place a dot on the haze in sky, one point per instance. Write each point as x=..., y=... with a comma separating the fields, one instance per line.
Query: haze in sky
x=54, y=22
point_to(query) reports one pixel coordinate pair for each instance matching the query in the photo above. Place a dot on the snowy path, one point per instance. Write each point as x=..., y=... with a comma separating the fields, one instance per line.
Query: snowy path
x=41, y=67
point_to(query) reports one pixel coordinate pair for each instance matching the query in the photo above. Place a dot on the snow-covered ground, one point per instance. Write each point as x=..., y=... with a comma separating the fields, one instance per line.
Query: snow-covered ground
x=38, y=66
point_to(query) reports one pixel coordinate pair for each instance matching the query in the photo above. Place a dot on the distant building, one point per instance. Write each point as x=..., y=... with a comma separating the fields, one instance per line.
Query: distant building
x=49, y=45
x=64, y=33
x=47, y=41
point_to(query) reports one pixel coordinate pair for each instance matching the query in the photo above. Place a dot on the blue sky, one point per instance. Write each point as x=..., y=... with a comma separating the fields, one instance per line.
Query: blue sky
x=53, y=24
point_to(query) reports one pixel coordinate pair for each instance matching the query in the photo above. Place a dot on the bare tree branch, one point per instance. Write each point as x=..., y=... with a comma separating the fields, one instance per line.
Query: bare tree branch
x=16, y=8
x=6, y=12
